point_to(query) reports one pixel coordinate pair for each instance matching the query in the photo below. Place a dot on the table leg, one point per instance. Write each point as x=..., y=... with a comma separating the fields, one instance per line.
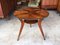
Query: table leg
x=39, y=24
x=22, y=25
x=30, y=25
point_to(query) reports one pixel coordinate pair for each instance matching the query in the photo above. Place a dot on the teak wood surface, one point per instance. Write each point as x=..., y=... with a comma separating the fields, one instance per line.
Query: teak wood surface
x=31, y=15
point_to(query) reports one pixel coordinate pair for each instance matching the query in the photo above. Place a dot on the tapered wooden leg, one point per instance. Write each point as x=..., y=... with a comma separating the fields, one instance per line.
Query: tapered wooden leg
x=30, y=25
x=39, y=24
x=22, y=25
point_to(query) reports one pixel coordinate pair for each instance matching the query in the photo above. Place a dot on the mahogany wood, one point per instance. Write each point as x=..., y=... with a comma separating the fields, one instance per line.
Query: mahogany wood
x=31, y=16
x=58, y=7
x=7, y=6
x=39, y=24
x=31, y=13
x=22, y=24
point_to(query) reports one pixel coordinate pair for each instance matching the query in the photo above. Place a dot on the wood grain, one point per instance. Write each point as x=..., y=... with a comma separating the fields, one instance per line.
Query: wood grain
x=31, y=16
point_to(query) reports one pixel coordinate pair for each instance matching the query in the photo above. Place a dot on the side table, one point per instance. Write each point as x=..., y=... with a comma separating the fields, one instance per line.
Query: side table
x=31, y=15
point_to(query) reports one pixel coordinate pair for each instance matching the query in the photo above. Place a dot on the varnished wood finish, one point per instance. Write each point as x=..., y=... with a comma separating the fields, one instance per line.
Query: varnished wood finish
x=7, y=6
x=31, y=13
x=58, y=7
x=22, y=24
x=31, y=16
x=40, y=27
x=30, y=25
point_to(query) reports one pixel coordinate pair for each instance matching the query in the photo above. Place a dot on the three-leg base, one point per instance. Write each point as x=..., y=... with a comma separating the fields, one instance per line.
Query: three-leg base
x=39, y=24
x=22, y=25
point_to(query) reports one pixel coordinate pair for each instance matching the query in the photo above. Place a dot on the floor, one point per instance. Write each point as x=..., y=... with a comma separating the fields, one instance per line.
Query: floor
x=9, y=30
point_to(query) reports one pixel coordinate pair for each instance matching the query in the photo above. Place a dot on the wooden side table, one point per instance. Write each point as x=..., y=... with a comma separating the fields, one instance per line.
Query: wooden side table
x=31, y=15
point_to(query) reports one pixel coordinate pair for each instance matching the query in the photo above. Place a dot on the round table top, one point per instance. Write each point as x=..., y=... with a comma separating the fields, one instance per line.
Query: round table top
x=31, y=13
